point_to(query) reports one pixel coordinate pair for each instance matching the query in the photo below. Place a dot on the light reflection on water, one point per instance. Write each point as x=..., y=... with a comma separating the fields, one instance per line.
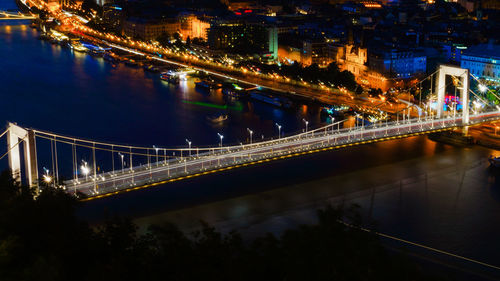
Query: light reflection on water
x=416, y=189
x=456, y=208
x=51, y=87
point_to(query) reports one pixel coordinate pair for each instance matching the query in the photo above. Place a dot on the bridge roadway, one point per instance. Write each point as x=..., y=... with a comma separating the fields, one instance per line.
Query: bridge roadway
x=225, y=158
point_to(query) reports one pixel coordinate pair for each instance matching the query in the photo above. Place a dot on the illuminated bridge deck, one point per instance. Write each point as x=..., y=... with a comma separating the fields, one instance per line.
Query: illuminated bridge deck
x=224, y=158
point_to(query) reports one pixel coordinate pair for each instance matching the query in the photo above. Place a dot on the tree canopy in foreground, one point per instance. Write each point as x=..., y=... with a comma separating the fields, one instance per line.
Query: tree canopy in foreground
x=43, y=239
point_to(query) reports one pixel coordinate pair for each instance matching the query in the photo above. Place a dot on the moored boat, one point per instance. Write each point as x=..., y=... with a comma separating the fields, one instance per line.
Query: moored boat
x=151, y=68
x=494, y=161
x=132, y=63
x=169, y=77
x=218, y=119
x=266, y=99
x=109, y=57
x=271, y=99
x=335, y=110
x=234, y=90
x=203, y=85
x=77, y=46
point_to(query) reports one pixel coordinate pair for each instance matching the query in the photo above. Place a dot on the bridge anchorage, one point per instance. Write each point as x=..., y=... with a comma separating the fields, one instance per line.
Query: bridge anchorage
x=94, y=169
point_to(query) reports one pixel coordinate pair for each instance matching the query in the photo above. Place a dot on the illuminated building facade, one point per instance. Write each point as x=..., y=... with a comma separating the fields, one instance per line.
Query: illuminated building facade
x=150, y=30
x=318, y=52
x=244, y=37
x=353, y=59
x=483, y=61
x=397, y=63
x=194, y=27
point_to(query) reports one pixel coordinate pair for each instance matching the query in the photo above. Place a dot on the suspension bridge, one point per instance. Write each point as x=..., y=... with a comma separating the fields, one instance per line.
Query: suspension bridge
x=97, y=169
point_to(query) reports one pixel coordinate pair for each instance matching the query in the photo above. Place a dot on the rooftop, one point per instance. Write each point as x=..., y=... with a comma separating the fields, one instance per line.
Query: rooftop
x=489, y=50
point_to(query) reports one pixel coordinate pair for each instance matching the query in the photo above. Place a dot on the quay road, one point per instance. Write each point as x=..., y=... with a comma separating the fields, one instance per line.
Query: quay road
x=15, y=16
x=370, y=105
x=320, y=95
x=327, y=96
x=224, y=158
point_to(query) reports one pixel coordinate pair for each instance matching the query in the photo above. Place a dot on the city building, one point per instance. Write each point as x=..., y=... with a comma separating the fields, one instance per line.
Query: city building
x=353, y=59
x=318, y=52
x=234, y=5
x=289, y=53
x=150, y=29
x=54, y=4
x=483, y=61
x=490, y=4
x=112, y=17
x=194, y=27
x=307, y=51
x=397, y=63
x=244, y=37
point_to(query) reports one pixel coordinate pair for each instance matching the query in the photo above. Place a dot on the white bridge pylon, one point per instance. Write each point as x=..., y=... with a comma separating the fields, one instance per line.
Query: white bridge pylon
x=16, y=135
x=98, y=168
x=182, y=163
x=456, y=71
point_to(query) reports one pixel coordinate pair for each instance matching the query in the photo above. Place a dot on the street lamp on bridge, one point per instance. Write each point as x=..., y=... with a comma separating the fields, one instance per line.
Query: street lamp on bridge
x=279, y=130
x=221, y=137
x=482, y=88
x=307, y=123
x=251, y=133
x=356, y=120
x=189, y=144
x=46, y=177
x=121, y=156
x=156, y=149
x=332, y=119
x=85, y=169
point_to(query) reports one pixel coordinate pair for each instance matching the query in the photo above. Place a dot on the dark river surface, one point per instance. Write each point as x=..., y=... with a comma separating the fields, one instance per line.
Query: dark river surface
x=415, y=189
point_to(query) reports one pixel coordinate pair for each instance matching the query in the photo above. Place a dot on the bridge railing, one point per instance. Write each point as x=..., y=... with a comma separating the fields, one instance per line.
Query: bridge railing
x=242, y=155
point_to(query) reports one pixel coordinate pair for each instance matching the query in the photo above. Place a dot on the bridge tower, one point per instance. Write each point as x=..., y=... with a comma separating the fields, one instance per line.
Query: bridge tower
x=15, y=136
x=464, y=92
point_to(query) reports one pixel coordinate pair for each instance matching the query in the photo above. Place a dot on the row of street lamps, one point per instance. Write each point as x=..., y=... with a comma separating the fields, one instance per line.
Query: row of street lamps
x=85, y=169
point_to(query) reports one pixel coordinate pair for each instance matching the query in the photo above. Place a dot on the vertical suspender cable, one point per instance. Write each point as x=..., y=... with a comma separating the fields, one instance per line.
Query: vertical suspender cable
x=420, y=100
x=113, y=158
x=52, y=157
x=131, y=164
x=56, y=180
x=73, y=154
x=36, y=157
x=95, y=168
x=432, y=84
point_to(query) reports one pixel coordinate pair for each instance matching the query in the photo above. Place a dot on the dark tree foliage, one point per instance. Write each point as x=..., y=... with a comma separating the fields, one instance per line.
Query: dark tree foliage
x=164, y=39
x=42, y=239
x=312, y=73
x=88, y=5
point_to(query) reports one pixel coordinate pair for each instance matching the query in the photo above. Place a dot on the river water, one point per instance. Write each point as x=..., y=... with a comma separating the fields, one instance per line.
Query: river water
x=438, y=195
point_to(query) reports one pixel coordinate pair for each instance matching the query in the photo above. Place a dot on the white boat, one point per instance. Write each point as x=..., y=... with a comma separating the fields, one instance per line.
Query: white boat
x=218, y=119
x=494, y=161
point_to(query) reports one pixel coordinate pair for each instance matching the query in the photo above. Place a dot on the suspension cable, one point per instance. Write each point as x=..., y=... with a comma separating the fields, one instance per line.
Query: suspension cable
x=417, y=244
x=384, y=102
x=1, y=157
x=475, y=78
x=1, y=135
x=70, y=140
